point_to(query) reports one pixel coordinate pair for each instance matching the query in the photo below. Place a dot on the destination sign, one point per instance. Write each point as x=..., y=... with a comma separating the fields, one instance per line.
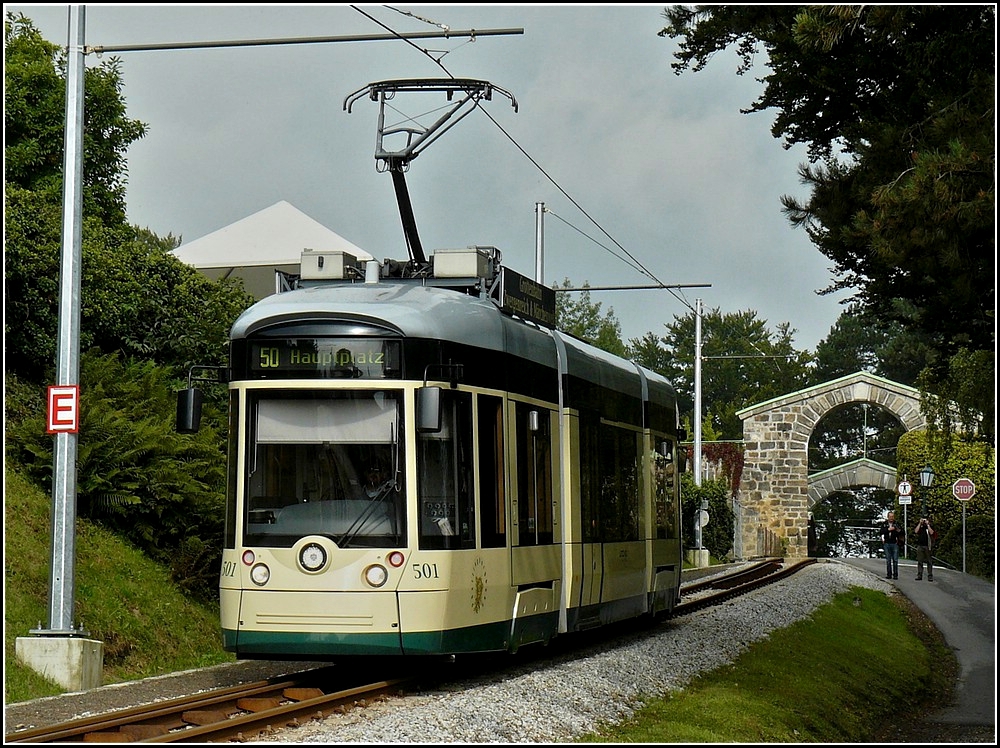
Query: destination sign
x=527, y=299
x=337, y=358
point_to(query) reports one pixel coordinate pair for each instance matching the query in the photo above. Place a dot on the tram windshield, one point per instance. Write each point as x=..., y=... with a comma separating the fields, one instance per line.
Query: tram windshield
x=325, y=463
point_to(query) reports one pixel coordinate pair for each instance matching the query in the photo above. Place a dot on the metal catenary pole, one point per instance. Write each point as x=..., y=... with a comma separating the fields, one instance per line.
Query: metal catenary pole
x=62, y=575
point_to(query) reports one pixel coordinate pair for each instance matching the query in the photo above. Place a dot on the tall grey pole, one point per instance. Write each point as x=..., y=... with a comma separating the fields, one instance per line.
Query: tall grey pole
x=697, y=421
x=697, y=393
x=62, y=576
x=906, y=532
x=963, y=537
x=539, y=243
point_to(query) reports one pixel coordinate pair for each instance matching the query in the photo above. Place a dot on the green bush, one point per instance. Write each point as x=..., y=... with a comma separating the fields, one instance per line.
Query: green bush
x=135, y=474
x=717, y=535
x=21, y=401
x=980, y=546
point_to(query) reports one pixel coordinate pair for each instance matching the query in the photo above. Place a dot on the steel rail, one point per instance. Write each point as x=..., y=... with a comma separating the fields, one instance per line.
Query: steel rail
x=739, y=583
x=235, y=712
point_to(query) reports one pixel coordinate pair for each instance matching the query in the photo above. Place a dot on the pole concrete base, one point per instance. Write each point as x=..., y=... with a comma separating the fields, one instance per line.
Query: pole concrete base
x=698, y=558
x=75, y=663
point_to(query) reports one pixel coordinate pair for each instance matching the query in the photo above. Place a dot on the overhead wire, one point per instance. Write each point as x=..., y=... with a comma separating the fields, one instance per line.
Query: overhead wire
x=633, y=262
x=636, y=264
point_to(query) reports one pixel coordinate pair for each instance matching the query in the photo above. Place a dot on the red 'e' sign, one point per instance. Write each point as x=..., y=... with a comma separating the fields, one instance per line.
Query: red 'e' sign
x=64, y=410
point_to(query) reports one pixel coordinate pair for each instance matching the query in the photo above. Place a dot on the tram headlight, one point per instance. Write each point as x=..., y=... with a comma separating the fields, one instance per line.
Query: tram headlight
x=259, y=574
x=312, y=557
x=376, y=575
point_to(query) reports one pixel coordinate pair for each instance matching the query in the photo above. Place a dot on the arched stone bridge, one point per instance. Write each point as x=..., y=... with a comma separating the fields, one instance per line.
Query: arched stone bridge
x=776, y=492
x=863, y=472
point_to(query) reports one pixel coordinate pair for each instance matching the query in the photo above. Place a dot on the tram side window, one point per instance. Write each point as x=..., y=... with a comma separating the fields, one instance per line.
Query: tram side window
x=619, y=474
x=665, y=492
x=492, y=494
x=534, y=475
x=590, y=478
x=445, y=477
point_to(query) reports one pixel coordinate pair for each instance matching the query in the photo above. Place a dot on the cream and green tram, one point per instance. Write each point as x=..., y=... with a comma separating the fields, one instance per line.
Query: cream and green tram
x=416, y=470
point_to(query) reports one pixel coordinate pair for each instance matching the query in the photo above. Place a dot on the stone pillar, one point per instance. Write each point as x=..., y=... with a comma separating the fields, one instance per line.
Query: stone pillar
x=775, y=482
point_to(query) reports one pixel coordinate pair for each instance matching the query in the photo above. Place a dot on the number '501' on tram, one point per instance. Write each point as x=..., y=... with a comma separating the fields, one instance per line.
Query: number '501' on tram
x=421, y=464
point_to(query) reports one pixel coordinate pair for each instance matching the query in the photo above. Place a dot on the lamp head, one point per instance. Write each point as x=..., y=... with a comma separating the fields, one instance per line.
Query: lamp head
x=927, y=477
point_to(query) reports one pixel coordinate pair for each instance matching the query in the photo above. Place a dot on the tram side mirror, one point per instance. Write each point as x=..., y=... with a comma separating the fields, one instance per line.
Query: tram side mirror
x=189, y=411
x=429, y=410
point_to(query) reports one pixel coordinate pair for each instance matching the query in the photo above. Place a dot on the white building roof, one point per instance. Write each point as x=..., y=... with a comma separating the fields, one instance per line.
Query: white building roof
x=260, y=244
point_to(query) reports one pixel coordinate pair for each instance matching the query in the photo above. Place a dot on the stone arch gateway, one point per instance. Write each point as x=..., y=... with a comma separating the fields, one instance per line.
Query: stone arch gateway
x=774, y=497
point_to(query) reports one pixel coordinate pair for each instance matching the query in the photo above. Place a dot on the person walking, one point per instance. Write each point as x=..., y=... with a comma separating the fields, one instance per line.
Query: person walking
x=892, y=538
x=925, y=546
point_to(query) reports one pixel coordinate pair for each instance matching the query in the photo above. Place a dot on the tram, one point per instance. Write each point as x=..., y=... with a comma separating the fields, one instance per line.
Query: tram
x=421, y=464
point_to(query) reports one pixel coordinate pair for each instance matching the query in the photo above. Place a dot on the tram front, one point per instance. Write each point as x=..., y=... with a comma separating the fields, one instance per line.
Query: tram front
x=316, y=510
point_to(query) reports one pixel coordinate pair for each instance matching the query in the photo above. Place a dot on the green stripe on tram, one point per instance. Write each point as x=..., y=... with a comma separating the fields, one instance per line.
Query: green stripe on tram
x=491, y=637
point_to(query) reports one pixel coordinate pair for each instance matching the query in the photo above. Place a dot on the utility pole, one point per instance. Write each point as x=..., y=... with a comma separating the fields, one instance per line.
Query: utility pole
x=697, y=392
x=63, y=652
x=68, y=342
x=539, y=243
x=702, y=519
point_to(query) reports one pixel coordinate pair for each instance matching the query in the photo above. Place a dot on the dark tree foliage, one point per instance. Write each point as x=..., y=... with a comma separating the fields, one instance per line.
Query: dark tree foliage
x=846, y=522
x=145, y=317
x=744, y=363
x=895, y=105
x=859, y=341
x=852, y=432
x=577, y=315
x=34, y=123
x=976, y=552
x=135, y=474
x=136, y=298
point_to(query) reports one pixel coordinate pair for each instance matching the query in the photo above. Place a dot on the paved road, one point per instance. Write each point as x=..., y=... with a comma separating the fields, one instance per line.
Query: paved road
x=963, y=608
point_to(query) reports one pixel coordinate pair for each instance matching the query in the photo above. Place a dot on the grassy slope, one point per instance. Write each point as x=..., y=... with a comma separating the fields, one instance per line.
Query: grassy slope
x=121, y=598
x=863, y=662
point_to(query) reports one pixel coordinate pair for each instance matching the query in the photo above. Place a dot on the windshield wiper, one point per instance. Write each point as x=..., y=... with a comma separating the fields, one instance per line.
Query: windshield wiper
x=358, y=524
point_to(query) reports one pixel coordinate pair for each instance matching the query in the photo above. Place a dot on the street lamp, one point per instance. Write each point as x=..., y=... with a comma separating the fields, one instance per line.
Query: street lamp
x=926, y=481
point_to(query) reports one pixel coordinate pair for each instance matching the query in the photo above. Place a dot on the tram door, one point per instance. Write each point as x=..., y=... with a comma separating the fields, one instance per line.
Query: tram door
x=592, y=569
x=535, y=556
x=492, y=472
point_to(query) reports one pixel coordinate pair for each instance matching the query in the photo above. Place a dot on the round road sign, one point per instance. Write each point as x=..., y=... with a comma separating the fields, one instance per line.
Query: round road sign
x=905, y=488
x=963, y=489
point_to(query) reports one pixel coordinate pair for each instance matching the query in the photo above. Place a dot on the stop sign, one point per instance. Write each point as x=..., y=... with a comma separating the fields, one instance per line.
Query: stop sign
x=963, y=489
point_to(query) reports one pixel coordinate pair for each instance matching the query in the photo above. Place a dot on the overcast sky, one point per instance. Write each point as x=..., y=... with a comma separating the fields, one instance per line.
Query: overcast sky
x=664, y=164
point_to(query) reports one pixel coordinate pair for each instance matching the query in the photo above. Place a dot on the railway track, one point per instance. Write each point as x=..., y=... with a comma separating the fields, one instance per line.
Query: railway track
x=253, y=711
x=719, y=589
x=239, y=713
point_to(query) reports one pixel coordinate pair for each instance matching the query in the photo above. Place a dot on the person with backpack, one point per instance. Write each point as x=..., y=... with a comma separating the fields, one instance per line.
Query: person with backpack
x=924, y=533
x=893, y=536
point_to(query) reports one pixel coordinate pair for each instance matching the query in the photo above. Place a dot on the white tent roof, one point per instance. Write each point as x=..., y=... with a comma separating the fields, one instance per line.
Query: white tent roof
x=260, y=244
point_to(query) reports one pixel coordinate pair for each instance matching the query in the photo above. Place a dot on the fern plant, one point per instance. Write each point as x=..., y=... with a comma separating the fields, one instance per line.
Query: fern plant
x=135, y=474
